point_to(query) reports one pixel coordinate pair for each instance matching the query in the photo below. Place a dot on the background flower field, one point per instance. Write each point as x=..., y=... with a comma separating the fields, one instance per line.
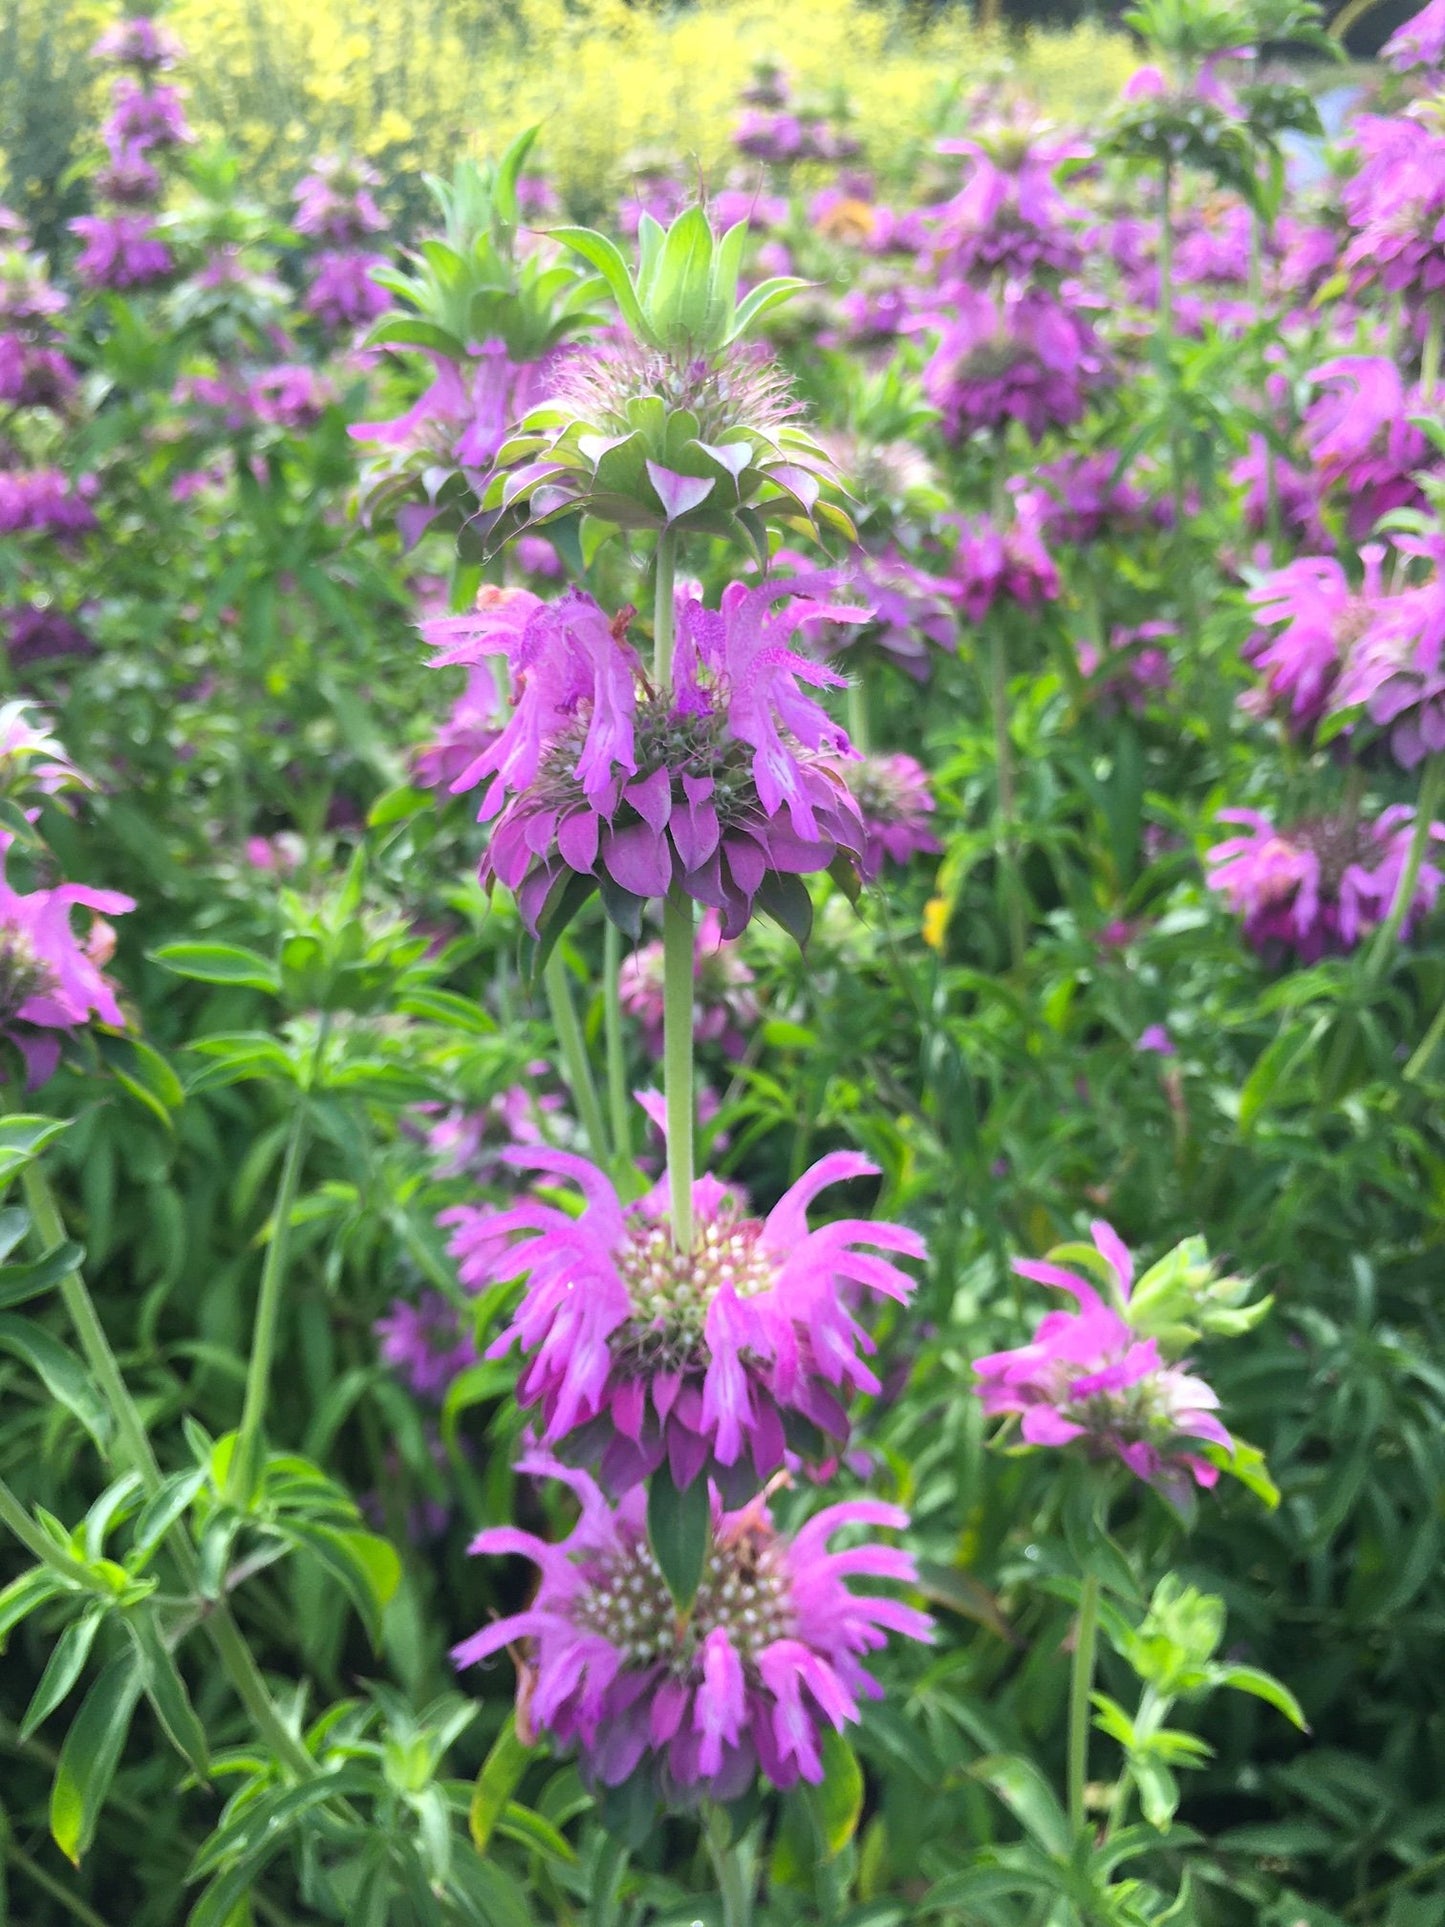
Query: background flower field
x=720, y=968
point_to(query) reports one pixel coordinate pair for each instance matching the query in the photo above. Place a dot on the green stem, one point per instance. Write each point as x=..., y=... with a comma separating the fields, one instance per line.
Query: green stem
x=269, y=1299
x=618, y=1102
x=677, y=1006
x=1429, y=1044
x=46, y=1881
x=1430, y=357
x=1007, y=802
x=734, y=1884
x=1166, y=255
x=1388, y=936
x=662, y=612
x=1081, y=1686
x=858, y=728
x=40, y=1547
x=251, y=1689
x=576, y=1064
x=80, y=1308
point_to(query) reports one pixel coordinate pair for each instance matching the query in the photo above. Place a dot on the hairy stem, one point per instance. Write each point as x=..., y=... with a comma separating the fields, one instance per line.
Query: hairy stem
x=576, y=1065
x=858, y=729
x=1430, y=355
x=663, y=611
x=271, y=1295
x=1081, y=1685
x=1007, y=801
x=1166, y=254
x=734, y=1882
x=618, y=1103
x=80, y=1308
x=1425, y=806
x=677, y=1002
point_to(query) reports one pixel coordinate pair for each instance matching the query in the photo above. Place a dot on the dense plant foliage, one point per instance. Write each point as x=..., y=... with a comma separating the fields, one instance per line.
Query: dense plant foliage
x=722, y=1008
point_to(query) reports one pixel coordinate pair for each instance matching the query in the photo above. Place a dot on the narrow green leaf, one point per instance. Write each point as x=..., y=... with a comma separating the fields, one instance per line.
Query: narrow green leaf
x=220, y=963
x=21, y=1282
x=679, y=1525
x=23, y=1595
x=63, y=1669
x=166, y=1691
x=838, y=1802
x=606, y=257
x=60, y=1371
x=366, y=1565
x=1264, y=1686
x=497, y=1780
x=91, y=1753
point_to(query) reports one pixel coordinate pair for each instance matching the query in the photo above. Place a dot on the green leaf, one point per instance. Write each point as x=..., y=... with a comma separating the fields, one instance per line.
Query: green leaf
x=166, y=1691
x=785, y=899
x=21, y=1282
x=143, y=1072
x=679, y=1525
x=60, y=1371
x=838, y=1802
x=1264, y=1686
x=25, y=1594
x=22, y=1137
x=496, y=1781
x=1028, y=1797
x=220, y=963
x=606, y=257
x=91, y=1753
x=63, y=1669
x=366, y=1565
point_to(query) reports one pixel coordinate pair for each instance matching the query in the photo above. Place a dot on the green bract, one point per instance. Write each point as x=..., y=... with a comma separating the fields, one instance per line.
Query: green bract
x=683, y=427
x=468, y=286
x=684, y=297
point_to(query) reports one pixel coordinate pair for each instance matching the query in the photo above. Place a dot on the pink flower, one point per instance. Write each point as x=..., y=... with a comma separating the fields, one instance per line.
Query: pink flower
x=121, y=251
x=292, y=396
x=1087, y=1378
x=138, y=43
x=1296, y=495
x=50, y=980
x=1360, y=438
x=725, y=1010
x=470, y=1143
x=146, y=116
x=896, y=802
x=31, y=759
x=1080, y=498
x=1009, y=218
x=768, y=1658
x=425, y=1344
x=898, y=609
x=730, y=776
x=1320, y=886
x=990, y=562
x=638, y=1353
x=1393, y=673
x=1420, y=42
x=334, y=202
x=45, y=500
x=1021, y=357
x=1133, y=670
x=1319, y=616
x=340, y=291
